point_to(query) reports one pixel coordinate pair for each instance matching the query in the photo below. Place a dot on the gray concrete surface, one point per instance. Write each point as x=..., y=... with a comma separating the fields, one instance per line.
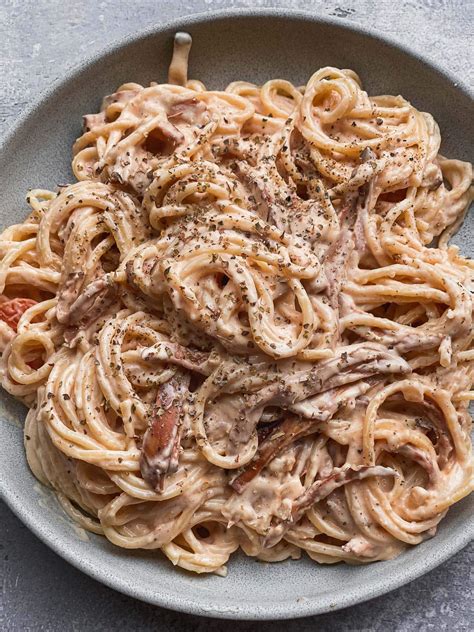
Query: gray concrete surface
x=38, y=40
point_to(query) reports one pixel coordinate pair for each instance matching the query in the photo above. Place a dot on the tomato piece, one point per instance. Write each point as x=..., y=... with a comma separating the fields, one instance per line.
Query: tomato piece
x=12, y=310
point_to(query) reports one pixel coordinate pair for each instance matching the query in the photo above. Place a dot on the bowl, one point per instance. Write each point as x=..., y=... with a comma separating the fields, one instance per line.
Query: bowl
x=251, y=45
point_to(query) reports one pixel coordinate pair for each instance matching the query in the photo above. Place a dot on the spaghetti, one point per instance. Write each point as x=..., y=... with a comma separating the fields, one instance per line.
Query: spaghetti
x=243, y=326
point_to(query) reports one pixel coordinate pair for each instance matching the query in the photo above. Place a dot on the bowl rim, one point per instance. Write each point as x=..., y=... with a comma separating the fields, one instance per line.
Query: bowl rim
x=169, y=599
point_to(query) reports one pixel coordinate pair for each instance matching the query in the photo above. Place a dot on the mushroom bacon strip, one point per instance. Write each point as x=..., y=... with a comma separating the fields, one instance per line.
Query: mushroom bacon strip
x=321, y=489
x=335, y=264
x=283, y=435
x=351, y=364
x=160, y=448
x=351, y=236
x=88, y=307
x=174, y=353
x=68, y=294
x=186, y=110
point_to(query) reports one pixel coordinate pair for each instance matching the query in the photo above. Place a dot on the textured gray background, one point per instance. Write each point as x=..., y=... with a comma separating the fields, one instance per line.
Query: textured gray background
x=39, y=39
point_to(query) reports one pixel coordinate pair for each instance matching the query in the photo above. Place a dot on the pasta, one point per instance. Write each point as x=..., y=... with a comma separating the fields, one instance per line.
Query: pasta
x=244, y=325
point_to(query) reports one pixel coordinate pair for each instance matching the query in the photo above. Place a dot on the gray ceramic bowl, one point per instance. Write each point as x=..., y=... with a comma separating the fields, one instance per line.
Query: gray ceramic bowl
x=227, y=46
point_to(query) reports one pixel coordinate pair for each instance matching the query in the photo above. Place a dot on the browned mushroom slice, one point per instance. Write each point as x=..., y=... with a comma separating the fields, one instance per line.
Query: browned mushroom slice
x=93, y=302
x=422, y=459
x=68, y=293
x=90, y=305
x=271, y=196
x=160, y=448
x=163, y=139
x=350, y=364
x=199, y=361
x=283, y=435
x=335, y=264
x=187, y=111
x=321, y=489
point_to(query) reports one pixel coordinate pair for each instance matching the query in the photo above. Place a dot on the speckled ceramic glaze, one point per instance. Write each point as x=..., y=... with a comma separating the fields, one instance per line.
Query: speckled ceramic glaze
x=227, y=46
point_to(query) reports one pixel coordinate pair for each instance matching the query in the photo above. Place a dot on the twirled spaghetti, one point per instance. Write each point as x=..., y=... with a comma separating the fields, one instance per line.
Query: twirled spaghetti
x=243, y=326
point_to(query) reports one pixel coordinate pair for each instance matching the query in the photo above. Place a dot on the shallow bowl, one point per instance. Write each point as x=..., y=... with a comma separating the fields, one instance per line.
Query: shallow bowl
x=255, y=46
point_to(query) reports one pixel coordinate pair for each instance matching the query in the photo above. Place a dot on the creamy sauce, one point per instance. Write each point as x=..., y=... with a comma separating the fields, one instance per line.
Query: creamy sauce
x=238, y=333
